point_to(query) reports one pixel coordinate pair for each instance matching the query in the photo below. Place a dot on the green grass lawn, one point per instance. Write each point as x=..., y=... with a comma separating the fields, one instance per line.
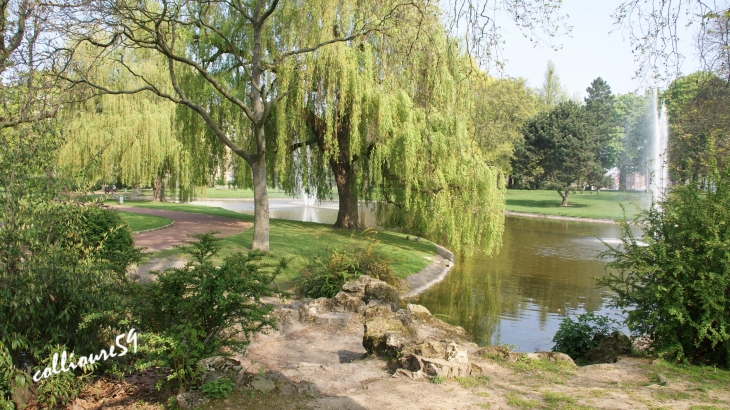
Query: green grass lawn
x=606, y=205
x=301, y=241
x=138, y=222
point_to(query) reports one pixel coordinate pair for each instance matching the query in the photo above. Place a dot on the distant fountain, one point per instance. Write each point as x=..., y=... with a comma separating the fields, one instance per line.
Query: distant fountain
x=307, y=198
x=658, y=153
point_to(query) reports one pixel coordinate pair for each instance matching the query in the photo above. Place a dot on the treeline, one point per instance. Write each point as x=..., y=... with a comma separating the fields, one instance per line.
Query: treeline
x=571, y=145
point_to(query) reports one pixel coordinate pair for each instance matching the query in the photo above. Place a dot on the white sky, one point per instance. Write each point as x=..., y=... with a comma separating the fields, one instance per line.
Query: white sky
x=589, y=52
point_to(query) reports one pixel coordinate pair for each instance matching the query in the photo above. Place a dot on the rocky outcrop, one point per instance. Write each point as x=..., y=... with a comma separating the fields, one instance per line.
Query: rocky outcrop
x=421, y=344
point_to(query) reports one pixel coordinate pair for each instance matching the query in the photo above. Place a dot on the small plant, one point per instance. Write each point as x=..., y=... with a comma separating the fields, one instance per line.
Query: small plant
x=515, y=400
x=217, y=389
x=576, y=338
x=324, y=275
x=438, y=379
x=472, y=381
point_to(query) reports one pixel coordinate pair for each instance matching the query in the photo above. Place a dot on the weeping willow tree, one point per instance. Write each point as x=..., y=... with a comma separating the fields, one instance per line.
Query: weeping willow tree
x=132, y=140
x=386, y=118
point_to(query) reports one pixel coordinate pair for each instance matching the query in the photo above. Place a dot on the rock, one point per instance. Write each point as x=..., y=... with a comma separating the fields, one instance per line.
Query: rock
x=377, y=311
x=662, y=379
x=190, y=400
x=287, y=389
x=262, y=384
x=419, y=311
x=436, y=359
x=347, y=302
x=378, y=332
x=380, y=293
x=551, y=356
x=357, y=287
x=216, y=367
x=498, y=352
x=219, y=364
x=609, y=348
x=311, y=309
x=307, y=389
x=333, y=318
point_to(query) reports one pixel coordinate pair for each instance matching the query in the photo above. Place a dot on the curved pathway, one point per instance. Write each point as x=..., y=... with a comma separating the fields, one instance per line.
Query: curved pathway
x=185, y=223
x=432, y=274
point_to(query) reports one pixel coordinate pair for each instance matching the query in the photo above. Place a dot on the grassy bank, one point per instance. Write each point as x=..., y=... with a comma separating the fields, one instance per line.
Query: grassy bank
x=139, y=222
x=299, y=242
x=606, y=205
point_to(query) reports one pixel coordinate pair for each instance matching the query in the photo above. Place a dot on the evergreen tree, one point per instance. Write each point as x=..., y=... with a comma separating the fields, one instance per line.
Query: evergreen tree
x=599, y=108
x=559, y=150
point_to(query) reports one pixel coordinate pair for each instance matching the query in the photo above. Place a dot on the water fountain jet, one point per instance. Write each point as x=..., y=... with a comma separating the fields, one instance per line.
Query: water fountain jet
x=658, y=155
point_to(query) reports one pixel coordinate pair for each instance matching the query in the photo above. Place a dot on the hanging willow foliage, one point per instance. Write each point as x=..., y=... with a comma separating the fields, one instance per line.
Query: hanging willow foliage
x=393, y=111
x=130, y=139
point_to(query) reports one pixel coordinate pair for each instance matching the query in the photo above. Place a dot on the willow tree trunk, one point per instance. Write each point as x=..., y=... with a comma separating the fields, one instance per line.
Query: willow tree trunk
x=347, y=214
x=261, y=206
x=158, y=188
x=343, y=168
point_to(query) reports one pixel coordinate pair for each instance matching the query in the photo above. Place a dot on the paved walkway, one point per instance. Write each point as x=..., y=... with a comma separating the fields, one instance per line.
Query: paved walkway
x=185, y=223
x=433, y=273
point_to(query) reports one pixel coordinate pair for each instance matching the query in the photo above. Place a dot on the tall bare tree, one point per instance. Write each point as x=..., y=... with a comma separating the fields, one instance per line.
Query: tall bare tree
x=654, y=29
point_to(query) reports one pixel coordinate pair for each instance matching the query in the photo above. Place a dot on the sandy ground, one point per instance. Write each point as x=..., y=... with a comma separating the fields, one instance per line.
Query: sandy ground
x=331, y=358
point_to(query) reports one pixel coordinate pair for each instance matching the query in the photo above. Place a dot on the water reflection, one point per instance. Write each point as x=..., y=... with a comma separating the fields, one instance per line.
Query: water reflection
x=544, y=271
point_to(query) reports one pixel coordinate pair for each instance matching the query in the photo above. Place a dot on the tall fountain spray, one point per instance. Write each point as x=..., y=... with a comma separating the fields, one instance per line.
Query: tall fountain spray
x=658, y=153
x=307, y=198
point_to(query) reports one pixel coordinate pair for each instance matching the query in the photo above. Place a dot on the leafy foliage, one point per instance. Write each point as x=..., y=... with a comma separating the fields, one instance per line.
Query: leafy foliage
x=559, y=150
x=576, y=337
x=106, y=229
x=675, y=280
x=57, y=289
x=218, y=388
x=200, y=308
x=699, y=121
x=324, y=275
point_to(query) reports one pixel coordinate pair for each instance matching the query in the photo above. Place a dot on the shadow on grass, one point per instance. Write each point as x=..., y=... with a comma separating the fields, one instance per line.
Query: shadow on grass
x=533, y=203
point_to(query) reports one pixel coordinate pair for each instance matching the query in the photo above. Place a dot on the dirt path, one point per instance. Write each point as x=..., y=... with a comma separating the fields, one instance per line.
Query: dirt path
x=329, y=359
x=185, y=223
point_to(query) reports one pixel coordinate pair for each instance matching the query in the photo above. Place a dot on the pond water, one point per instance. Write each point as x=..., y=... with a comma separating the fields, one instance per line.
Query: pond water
x=544, y=271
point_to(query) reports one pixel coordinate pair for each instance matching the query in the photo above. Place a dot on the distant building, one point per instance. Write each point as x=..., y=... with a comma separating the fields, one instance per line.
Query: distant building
x=635, y=182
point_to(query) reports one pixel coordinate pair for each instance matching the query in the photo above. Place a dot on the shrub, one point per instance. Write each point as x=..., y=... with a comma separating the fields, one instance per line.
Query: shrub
x=55, y=289
x=218, y=388
x=104, y=228
x=325, y=274
x=576, y=338
x=200, y=308
x=676, y=284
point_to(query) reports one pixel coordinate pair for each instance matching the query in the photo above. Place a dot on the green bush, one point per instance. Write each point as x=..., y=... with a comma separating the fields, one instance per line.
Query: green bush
x=104, y=228
x=325, y=274
x=200, y=308
x=676, y=284
x=55, y=288
x=576, y=337
x=218, y=388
